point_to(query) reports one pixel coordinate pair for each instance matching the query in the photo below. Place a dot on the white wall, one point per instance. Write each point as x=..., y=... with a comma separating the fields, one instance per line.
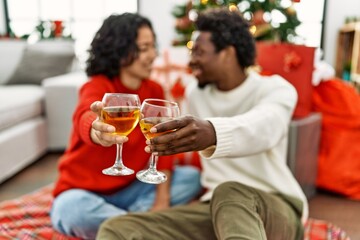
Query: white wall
x=159, y=13
x=336, y=13
x=2, y=19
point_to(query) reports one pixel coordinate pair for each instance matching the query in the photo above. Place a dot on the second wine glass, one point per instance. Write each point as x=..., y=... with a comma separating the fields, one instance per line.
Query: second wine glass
x=123, y=112
x=154, y=111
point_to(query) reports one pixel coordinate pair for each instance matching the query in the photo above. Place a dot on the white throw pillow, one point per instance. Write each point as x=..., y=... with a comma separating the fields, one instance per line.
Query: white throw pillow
x=44, y=59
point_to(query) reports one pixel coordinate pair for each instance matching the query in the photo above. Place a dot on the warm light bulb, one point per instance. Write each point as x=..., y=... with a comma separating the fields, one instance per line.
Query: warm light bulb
x=233, y=8
x=252, y=29
x=189, y=45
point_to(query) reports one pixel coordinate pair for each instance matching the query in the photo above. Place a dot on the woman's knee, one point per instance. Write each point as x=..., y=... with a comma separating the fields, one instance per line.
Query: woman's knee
x=189, y=177
x=65, y=202
x=185, y=185
x=70, y=210
x=188, y=172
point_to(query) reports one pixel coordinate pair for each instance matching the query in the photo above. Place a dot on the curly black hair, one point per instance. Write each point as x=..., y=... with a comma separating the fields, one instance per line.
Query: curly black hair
x=229, y=28
x=114, y=44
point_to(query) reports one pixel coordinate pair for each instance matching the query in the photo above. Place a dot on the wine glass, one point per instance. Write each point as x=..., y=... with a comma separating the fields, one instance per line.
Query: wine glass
x=154, y=111
x=123, y=112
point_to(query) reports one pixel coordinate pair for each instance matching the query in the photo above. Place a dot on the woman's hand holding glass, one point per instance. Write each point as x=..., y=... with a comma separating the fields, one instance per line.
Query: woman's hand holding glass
x=103, y=133
x=121, y=114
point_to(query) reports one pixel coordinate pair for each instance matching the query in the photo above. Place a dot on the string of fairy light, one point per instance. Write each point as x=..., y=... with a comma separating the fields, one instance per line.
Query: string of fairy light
x=269, y=19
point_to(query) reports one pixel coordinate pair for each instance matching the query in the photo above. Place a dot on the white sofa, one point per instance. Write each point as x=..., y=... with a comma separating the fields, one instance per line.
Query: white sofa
x=61, y=92
x=23, y=123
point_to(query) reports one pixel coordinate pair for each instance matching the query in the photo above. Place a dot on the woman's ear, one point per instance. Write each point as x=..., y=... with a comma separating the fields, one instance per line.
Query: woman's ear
x=126, y=61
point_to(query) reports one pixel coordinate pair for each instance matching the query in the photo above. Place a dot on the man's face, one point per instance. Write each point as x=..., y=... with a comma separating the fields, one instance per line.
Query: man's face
x=204, y=60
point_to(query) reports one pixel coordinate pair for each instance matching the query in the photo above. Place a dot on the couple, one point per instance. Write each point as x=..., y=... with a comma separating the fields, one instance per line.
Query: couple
x=239, y=125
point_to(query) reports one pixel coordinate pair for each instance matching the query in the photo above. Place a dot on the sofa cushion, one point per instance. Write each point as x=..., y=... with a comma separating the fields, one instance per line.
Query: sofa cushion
x=11, y=51
x=18, y=103
x=44, y=59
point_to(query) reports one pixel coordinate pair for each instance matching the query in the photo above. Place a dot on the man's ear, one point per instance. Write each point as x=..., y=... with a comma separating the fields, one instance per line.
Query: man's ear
x=228, y=54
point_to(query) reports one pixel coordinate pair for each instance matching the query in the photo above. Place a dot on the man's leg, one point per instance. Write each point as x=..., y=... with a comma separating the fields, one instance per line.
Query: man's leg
x=181, y=223
x=242, y=212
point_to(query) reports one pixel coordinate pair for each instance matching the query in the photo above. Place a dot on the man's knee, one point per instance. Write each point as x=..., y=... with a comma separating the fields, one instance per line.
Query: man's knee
x=122, y=227
x=231, y=188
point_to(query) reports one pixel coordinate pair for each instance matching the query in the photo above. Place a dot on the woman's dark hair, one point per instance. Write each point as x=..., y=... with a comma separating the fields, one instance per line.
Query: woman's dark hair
x=229, y=28
x=114, y=44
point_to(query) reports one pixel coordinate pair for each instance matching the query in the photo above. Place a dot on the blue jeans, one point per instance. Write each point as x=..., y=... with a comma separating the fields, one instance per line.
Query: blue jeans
x=77, y=212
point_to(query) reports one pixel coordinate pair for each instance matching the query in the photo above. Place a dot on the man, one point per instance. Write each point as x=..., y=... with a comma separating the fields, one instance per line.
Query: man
x=240, y=129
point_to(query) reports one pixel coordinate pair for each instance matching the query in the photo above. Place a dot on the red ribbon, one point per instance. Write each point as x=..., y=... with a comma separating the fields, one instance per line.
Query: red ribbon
x=292, y=60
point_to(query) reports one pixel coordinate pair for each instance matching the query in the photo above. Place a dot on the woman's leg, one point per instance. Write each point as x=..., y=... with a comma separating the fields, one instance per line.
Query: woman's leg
x=181, y=223
x=242, y=212
x=185, y=186
x=77, y=212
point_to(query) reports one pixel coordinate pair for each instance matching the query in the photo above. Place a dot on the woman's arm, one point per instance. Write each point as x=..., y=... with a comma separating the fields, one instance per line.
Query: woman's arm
x=163, y=196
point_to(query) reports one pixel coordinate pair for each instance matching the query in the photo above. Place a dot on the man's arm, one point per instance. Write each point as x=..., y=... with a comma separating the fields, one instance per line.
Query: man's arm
x=192, y=134
x=256, y=130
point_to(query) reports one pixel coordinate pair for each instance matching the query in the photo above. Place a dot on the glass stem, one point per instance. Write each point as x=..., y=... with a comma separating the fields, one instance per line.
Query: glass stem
x=153, y=162
x=119, y=161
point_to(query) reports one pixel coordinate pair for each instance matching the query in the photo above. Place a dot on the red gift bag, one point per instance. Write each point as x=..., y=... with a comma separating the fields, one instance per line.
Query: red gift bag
x=339, y=153
x=295, y=63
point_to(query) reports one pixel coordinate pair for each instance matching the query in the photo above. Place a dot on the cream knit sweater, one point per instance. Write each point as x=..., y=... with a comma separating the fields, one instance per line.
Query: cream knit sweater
x=251, y=124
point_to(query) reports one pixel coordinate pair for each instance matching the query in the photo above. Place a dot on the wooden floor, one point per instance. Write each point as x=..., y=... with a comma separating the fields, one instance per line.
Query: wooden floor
x=340, y=211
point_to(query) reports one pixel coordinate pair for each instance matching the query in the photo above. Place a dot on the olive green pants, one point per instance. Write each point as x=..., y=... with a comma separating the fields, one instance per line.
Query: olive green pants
x=236, y=211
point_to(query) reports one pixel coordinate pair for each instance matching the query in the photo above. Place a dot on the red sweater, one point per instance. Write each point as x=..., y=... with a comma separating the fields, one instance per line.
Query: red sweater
x=82, y=163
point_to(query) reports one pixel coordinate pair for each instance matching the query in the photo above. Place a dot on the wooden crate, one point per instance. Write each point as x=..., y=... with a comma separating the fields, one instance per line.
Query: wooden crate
x=348, y=52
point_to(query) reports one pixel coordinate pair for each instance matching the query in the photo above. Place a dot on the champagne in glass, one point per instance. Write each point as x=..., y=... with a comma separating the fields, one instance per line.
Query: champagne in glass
x=123, y=112
x=155, y=111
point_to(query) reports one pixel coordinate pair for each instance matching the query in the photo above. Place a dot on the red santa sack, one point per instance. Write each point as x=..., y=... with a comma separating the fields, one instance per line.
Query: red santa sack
x=339, y=153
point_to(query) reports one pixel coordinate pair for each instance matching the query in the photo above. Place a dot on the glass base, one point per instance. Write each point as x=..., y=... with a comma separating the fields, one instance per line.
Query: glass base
x=117, y=171
x=151, y=176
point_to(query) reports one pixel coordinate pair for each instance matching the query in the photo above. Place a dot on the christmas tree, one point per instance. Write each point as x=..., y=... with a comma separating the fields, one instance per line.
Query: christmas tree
x=269, y=19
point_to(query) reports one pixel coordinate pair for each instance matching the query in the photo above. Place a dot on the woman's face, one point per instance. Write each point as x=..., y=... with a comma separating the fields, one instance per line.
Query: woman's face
x=142, y=65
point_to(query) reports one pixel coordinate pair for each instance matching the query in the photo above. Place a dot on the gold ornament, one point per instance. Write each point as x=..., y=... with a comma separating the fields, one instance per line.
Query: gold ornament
x=291, y=10
x=260, y=30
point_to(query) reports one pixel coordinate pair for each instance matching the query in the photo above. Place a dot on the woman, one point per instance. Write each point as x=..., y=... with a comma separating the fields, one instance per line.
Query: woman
x=120, y=60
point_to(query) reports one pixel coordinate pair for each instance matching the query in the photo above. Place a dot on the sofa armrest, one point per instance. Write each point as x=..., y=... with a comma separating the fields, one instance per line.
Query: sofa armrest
x=303, y=149
x=61, y=96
